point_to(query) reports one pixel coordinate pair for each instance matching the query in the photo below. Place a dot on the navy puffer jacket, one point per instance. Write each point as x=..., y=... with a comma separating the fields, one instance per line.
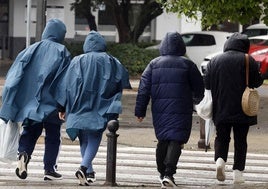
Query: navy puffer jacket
x=173, y=83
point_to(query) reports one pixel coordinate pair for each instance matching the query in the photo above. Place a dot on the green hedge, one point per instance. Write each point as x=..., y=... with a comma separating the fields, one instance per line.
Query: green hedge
x=134, y=57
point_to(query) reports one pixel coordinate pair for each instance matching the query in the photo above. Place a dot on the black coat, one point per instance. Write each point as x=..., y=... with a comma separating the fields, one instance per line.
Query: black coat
x=173, y=83
x=227, y=80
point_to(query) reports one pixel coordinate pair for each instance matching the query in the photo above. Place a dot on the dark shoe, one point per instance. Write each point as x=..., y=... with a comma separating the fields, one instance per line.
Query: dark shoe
x=81, y=175
x=23, y=160
x=91, y=177
x=168, y=181
x=52, y=175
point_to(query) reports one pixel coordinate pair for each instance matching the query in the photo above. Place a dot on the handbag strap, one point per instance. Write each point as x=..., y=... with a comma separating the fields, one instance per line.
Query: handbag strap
x=247, y=68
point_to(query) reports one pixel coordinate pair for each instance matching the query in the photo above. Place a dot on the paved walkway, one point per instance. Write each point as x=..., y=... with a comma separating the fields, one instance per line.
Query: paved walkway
x=136, y=168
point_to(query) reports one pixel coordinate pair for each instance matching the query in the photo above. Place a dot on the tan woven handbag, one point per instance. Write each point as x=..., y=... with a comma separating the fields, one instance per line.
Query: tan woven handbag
x=250, y=98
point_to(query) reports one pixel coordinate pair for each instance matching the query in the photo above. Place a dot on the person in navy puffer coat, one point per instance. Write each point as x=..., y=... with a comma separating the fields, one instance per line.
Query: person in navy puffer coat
x=174, y=84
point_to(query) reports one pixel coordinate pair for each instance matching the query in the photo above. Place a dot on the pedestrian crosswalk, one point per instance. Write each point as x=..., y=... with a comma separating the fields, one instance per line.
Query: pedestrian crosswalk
x=136, y=167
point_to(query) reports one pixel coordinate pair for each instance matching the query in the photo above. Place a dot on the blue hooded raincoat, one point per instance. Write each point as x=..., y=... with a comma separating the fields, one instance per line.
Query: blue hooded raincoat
x=91, y=88
x=25, y=93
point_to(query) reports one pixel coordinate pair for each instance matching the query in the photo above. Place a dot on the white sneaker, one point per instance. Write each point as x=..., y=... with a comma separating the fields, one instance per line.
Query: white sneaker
x=238, y=177
x=161, y=178
x=169, y=182
x=220, y=169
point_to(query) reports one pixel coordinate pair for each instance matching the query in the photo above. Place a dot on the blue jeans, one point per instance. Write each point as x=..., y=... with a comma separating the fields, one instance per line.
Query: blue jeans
x=89, y=145
x=30, y=134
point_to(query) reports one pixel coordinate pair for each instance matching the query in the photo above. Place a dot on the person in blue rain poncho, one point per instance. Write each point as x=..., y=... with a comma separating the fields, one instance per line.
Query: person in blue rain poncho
x=26, y=97
x=89, y=94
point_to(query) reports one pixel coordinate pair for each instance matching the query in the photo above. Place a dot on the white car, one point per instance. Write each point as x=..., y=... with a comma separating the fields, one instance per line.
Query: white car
x=202, y=43
x=206, y=60
x=256, y=30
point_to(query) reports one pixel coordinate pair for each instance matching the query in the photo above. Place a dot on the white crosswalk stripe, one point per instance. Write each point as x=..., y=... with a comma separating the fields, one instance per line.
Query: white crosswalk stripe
x=136, y=166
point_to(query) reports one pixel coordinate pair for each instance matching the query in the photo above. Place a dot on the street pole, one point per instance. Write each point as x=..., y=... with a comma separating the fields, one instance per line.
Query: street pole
x=29, y=6
x=40, y=19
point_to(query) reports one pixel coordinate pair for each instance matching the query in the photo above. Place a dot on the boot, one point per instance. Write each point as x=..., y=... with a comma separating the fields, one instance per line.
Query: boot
x=238, y=177
x=220, y=169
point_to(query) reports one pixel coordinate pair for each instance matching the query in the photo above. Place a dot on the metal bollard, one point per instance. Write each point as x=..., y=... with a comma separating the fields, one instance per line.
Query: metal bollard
x=113, y=126
x=201, y=142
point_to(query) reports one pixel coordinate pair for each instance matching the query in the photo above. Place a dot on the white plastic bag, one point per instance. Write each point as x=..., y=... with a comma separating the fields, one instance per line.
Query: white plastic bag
x=204, y=108
x=9, y=141
x=209, y=132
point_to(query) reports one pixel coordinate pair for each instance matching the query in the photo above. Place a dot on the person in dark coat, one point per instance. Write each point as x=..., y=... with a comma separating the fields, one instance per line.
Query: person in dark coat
x=174, y=84
x=226, y=79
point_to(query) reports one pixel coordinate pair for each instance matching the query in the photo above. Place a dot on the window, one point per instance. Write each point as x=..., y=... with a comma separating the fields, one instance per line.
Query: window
x=255, y=32
x=198, y=40
x=105, y=17
x=261, y=42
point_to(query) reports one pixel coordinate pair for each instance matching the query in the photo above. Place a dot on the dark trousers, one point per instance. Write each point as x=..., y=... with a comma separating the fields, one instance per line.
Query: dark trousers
x=222, y=141
x=167, y=157
x=30, y=134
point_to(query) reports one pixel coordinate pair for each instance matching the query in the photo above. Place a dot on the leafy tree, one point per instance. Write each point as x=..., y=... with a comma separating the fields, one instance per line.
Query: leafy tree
x=121, y=9
x=83, y=9
x=217, y=11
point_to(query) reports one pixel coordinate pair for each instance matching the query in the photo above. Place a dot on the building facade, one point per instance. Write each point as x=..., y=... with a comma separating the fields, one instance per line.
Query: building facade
x=13, y=24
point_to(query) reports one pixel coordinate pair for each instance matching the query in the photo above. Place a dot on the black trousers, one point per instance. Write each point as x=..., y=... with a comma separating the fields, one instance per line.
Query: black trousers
x=222, y=141
x=30, y=134
x=167, y=157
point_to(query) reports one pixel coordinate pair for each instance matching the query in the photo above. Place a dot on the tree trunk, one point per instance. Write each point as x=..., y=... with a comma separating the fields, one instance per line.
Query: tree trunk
x=149, y=11
x=92, y=22
x=122, y=20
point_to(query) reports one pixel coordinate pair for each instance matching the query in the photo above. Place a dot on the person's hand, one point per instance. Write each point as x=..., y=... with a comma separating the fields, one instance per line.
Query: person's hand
x=140, y=119
x=62, y=116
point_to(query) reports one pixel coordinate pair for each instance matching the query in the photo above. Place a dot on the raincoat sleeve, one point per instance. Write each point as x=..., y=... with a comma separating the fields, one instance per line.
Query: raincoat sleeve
x=13, y=78
x=59, y=85
x=115, y=81
x=67, y=84
x=122, y=74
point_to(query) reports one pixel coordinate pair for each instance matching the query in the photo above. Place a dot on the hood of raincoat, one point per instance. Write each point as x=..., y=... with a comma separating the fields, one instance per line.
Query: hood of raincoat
x=172, y=44
x=55, y=30
x=237, y=42
x=94, y=42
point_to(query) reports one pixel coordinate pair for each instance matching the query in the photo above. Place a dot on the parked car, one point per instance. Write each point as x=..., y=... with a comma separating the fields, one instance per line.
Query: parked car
x=201, y=43
x=206, y=60
x=256, y=30
x=258, y=50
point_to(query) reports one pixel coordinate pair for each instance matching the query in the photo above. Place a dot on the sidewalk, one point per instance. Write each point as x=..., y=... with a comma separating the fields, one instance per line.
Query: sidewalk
x=136, y=168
